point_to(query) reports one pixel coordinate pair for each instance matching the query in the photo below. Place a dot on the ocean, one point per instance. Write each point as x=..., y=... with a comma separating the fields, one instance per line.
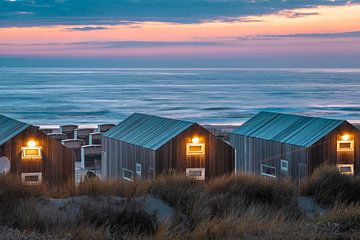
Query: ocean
x=53, y=96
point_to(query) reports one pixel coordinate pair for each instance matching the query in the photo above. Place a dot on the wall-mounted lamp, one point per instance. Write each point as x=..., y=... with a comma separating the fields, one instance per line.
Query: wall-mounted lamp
x=345, y=137
x=31, y=143
x=195, y=140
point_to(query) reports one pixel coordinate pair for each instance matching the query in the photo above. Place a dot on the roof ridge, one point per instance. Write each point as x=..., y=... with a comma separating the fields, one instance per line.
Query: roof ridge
x=304, y=116
x=156, y=116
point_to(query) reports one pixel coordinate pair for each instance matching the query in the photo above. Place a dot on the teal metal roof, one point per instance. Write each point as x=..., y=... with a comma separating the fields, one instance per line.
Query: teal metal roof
x=147, y=131
x=9, y=128
x=286, y=128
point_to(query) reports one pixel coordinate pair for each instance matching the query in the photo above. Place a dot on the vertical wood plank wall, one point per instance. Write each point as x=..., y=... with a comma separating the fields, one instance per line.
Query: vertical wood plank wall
x=57, y=164
x=118, y=155
x=219, y=156
x=252, y=152
x=325, y=150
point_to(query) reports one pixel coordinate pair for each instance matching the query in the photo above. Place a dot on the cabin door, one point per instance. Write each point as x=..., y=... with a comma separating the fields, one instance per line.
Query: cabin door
x=302, y=171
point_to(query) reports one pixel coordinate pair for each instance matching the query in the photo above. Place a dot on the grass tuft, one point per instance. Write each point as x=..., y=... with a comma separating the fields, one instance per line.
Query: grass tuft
x=330, y=188
x=228, y=207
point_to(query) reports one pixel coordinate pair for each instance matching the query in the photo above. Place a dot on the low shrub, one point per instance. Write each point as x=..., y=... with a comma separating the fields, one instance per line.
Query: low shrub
x=340, y=219
x=219, y=197
x=131, y=219
x=176, y=189
x=123, y=188
x=229, y=193
x=12, y=192
x=249, y=226
x=85, y=232
x=228, y=207
x=329, y=187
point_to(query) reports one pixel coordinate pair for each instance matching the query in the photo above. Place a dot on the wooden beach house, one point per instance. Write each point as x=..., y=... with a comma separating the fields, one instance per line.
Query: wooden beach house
x=284, y=145
x=143, y=146
x=32, y=155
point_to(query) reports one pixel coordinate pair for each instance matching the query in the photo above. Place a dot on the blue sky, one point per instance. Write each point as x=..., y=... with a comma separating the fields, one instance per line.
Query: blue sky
x=192, y=33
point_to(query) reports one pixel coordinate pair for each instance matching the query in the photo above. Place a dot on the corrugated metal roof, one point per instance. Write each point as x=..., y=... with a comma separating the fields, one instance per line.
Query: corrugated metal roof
x=9, y=128
x=147, y=131
x=286, y=128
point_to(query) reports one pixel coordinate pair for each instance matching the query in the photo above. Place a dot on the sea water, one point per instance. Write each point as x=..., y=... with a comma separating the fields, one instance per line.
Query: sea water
x=53, y=96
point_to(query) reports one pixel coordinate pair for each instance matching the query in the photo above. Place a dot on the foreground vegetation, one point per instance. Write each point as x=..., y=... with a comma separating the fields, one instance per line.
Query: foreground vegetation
x=228, y=207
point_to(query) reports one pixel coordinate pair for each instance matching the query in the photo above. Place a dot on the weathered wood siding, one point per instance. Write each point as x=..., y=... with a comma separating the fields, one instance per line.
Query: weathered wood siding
x=252, y=152
x=57, y=164
x=117, y=155
x=325, y=150
x=218, y=159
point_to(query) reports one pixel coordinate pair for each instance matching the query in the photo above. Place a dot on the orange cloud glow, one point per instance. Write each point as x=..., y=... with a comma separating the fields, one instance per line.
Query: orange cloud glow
x=54, y=40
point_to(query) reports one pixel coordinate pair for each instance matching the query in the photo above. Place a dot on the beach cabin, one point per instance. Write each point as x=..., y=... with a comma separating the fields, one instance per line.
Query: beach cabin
x=33, y=155
x=143, y=146
x=105, y=127
x=68, y=130
x=91, y=157
x=284, y=145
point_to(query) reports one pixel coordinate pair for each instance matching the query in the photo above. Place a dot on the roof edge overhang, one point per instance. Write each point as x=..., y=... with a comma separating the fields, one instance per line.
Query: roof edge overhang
x=152, y=149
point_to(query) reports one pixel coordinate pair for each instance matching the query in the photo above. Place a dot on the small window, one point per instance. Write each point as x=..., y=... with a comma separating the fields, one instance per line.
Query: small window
x=345, y=145
x=284, y=165
x=268, y=171
x=31, y=153
x=32, y=178
x=196, y=173
x=128, y=175
x=346, y=169
x=138, y=169
x=195, y=148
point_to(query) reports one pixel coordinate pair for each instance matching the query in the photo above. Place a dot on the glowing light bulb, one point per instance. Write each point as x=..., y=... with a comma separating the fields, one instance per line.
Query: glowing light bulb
x=345, y=137
x=195, y=140
x=31, y=143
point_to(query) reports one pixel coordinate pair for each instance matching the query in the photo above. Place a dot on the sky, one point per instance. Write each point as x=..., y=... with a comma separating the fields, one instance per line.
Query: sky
x=180, y=33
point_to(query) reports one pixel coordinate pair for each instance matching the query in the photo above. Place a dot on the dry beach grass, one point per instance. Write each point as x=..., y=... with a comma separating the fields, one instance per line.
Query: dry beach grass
x=228, y=207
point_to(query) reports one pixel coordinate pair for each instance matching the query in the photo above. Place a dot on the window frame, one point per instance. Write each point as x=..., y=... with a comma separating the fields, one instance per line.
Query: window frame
x=338, y=166
x=138, y=173
x=32, y=157
x=266, y=174
x=202, y=170
x=191, y=153
x=32, y=174
x=339, y=149
x=126, y=178
x=281, y=166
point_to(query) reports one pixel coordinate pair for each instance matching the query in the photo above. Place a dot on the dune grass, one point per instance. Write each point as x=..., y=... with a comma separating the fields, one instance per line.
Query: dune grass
x=329, y=188
x=228, y=207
